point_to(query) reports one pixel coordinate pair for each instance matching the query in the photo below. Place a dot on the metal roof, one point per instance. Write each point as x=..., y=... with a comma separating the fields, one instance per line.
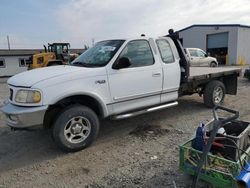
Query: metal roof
x=18, y=52
x=28, y=52
x=214, y=25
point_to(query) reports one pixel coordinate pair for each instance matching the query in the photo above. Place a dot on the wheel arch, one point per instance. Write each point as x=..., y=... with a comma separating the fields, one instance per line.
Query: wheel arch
x=91, y=101
x=213, y=62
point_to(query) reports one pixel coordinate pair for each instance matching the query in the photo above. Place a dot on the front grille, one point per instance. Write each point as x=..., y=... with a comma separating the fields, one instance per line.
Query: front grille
x=11, y=94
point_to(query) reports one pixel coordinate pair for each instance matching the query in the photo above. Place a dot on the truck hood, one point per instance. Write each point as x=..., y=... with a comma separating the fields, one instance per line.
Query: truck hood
x=29, y=78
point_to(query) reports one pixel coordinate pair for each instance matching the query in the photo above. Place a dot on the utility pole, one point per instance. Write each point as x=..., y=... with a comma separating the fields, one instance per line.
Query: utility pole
x=8, y=40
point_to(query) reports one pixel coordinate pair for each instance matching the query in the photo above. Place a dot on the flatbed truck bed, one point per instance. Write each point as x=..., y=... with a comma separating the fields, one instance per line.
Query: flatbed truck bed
x=210, y=72
x=200, y=77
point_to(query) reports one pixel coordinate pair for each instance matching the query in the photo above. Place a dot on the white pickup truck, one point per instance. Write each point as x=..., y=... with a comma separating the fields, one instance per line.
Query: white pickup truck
x=198, y=57
x=115, y=78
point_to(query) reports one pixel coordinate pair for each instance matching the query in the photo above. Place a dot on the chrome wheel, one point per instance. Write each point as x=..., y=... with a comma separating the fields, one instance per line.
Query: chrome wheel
x=77, y=129
x=218, y=95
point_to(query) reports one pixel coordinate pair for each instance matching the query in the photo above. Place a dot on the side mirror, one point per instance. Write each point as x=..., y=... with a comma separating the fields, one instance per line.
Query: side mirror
x=206, y=55
x=122, y=63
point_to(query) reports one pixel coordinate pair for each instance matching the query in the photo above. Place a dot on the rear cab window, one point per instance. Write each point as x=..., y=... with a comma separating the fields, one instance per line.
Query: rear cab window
x=166, y=52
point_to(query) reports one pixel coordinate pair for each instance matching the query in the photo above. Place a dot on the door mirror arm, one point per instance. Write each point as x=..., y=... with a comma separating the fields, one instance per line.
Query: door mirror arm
x=122, y=63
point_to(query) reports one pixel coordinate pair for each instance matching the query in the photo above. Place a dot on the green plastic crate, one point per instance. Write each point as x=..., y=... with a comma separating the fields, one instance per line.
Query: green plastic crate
x=217, y=171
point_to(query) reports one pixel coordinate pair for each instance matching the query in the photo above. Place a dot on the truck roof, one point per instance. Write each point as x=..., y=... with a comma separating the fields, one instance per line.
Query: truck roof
x=136, y=38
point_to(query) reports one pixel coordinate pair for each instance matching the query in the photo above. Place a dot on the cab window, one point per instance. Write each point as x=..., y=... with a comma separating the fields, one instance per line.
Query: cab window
x=201, y=53
x=193, y=53
x=165, y=51
x=139, y=53
x=59, y=49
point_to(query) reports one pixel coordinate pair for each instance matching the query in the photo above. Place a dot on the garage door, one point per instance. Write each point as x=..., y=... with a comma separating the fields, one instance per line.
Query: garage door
x=219, y=40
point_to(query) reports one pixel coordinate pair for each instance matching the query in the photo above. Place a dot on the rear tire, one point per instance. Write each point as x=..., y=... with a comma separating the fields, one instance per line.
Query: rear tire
x=75, y=128
x=214, y=93
x=213, y=64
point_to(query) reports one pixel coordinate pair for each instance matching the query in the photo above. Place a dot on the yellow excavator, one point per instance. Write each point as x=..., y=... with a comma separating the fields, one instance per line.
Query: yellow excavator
x=54, y=54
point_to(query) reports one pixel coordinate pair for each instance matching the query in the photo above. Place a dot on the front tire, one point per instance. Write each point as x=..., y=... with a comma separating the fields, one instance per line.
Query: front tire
x=75, y=128
x=214, y=93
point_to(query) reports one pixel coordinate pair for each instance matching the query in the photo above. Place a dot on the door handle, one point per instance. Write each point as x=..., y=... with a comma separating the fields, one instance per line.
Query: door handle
x=156, y=74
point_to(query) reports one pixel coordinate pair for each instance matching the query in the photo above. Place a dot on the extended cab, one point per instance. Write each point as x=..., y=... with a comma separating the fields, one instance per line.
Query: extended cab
x=115, y=78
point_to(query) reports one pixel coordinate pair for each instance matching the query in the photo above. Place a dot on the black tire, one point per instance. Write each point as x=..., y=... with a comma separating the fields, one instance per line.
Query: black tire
x=213, y=64
x=69, y=121
x=214, y=93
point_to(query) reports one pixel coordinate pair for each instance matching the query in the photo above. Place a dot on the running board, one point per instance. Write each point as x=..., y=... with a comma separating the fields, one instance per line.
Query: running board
x=132, y=114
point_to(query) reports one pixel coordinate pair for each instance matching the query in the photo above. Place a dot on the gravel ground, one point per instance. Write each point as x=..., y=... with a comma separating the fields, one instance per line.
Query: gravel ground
x=137, y=152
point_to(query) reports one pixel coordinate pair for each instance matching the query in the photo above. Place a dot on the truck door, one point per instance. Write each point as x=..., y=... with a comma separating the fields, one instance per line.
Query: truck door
x=171, y=69
x=140, y=84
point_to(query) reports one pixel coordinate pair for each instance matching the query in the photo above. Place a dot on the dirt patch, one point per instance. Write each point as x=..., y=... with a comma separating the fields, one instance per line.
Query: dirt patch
x=149, y=131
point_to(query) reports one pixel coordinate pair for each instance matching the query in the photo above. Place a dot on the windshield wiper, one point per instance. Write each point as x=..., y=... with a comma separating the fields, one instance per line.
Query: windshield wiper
x=83, y=64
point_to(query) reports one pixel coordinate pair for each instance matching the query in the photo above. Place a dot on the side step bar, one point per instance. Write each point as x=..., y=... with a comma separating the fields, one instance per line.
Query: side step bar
x=132, y=114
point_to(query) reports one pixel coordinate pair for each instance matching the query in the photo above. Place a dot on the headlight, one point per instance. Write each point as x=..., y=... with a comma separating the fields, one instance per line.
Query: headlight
x=28, y=96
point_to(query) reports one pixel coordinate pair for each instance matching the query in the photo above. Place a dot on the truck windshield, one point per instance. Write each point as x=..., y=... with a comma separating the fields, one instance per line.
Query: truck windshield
x=99, y=55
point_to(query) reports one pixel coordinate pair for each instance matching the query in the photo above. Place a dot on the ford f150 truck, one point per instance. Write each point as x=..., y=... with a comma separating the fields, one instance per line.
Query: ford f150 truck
x=115, y=78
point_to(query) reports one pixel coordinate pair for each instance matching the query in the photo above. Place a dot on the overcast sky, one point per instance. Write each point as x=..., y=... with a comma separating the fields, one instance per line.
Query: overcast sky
x=30, y=23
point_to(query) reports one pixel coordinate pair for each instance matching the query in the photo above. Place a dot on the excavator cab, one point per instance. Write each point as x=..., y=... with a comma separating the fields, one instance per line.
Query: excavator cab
x=61, y=50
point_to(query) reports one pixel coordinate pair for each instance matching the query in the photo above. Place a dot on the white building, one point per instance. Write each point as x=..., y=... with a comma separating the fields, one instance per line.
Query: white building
x=14, y=61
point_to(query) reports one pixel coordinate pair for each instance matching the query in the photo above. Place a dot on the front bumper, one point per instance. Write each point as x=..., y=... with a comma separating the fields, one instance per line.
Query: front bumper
x=23, y=117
